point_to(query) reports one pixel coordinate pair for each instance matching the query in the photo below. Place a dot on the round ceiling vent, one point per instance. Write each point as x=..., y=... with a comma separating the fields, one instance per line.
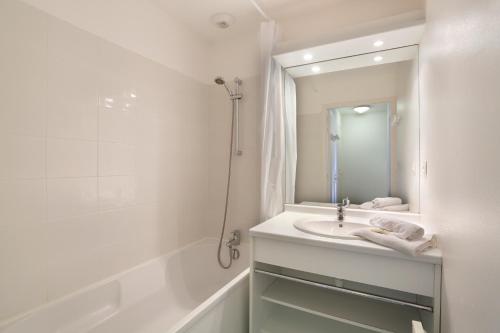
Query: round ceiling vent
x=222, y=20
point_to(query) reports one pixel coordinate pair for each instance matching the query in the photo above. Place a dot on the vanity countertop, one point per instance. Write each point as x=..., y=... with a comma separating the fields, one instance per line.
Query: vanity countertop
x=281, y=227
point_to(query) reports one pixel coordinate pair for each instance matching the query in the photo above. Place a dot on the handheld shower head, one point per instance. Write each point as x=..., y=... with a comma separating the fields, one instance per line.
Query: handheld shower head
x=219, y=80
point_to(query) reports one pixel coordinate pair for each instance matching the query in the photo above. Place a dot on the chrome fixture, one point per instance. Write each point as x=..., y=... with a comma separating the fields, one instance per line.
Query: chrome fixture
x=341, y=211
x=234, y=241
x=234, y=149
x=235, y=98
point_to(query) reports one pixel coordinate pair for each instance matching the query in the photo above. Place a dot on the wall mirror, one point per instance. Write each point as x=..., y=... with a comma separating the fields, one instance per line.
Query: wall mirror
x=358, y=126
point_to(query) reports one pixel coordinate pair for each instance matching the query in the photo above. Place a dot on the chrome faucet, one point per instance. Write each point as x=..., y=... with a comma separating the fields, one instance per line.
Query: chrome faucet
x=232, y=243
x=341, y=211
x=235, y=239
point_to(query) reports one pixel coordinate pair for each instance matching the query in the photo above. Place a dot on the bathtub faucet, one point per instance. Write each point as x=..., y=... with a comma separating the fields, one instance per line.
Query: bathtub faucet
x=235, y=238
x=234, y=241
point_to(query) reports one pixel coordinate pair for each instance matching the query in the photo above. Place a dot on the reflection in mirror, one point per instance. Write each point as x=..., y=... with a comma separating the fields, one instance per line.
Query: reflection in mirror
x=358, y=131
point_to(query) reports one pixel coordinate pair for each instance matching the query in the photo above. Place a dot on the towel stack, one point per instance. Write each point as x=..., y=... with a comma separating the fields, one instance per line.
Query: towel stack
x=397, y=234
x=390, y=204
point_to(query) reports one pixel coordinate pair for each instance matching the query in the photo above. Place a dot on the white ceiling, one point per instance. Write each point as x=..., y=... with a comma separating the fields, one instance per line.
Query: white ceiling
x=196, y=13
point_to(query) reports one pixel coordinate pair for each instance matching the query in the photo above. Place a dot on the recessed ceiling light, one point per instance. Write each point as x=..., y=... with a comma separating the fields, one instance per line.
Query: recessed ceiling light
x=308, y=57
x=133, y=95
x=315, y=69
x=378, y=43
x=378, y=58
x=362, y=109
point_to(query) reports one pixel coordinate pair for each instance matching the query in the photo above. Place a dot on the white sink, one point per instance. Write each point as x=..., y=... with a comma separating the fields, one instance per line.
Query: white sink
x=330, y=228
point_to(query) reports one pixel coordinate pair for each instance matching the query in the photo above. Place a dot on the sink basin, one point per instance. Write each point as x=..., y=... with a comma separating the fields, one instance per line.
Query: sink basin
x=330, y=228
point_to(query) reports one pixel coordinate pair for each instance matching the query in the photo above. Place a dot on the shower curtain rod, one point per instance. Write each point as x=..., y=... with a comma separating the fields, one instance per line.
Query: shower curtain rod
x=260, y=10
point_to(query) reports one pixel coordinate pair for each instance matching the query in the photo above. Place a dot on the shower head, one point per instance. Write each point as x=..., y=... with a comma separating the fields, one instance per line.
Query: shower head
x=219, y=80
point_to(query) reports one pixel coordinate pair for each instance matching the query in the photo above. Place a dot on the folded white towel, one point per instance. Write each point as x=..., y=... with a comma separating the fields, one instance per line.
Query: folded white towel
x=367, y=205
x=401, y=229
x=384, y=202
x=390, y=240
x=396, y=208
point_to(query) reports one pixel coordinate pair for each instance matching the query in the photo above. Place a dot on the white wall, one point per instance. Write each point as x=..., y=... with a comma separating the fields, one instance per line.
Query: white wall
x=460, y=80
x=87, y=191
x=139, y=26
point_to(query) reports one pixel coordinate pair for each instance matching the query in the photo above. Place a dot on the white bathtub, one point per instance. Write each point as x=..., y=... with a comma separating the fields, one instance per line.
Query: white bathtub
x=184, y=291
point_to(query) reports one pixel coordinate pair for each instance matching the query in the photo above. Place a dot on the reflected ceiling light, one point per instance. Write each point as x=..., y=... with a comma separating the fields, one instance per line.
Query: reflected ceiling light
x=378, y=43
x=133, y=95
x=308, y=57
x=315, y=69
x=362, y=109
x=378, y=58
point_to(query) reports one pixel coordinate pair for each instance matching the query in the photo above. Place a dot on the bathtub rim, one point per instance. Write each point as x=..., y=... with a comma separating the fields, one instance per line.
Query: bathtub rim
x=25, y=315
x=197, y=313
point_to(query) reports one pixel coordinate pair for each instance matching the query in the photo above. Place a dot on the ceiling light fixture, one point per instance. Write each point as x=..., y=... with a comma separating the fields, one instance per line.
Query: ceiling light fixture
x=378, y=43
x=222, y=20
x=378, y=58
x=315, y=69
x=362, y=109
x=308, y=57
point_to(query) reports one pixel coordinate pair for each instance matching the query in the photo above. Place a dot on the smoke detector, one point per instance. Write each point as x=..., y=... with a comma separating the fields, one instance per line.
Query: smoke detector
x=222, y=20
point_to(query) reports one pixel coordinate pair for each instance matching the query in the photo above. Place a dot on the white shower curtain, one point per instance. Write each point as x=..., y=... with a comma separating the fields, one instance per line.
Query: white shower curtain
x=278, y=128
x=290, y=95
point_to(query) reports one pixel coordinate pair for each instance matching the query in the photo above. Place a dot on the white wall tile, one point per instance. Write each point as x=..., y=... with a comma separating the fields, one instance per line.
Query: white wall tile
x=71, y=158
x=117, y=122
x=68, y=272
x=22, y=202
x=23, y=69
x=22, y=261
x=116, y=159
x=22, y=157
x=73, y=103
x=70, y=197
x=86, y=190
x=116, y=192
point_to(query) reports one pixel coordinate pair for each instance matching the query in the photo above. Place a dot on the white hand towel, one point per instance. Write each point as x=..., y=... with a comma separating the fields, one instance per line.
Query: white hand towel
x=367, y=205
x=384, y=202
x=400, y=228
x=388, y=239
x=397, y=208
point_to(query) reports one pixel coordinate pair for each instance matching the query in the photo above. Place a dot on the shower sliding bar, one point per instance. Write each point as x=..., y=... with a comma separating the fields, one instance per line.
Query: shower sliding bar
x=345, y=291
x=236, y=97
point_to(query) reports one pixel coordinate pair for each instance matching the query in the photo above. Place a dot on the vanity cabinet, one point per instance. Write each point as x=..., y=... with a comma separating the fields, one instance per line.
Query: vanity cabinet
x=305, y=283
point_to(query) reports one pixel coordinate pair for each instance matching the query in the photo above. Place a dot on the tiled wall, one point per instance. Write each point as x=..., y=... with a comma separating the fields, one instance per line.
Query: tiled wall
x=102, y=158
